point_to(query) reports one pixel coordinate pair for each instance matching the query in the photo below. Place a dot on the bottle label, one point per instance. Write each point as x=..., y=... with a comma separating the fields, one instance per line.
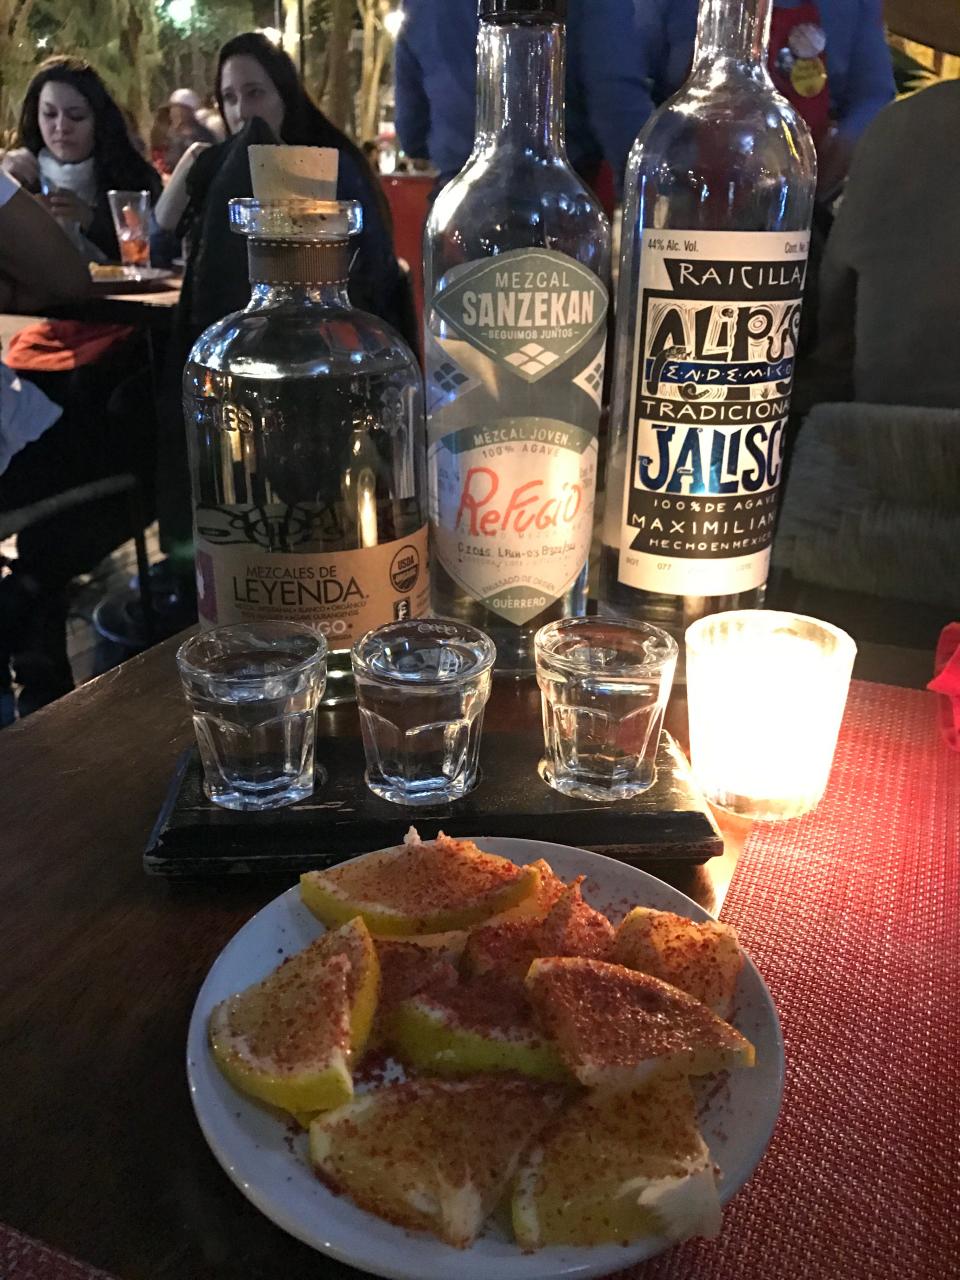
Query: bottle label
x=515, y=354
x=341, y=593
x=719, y=317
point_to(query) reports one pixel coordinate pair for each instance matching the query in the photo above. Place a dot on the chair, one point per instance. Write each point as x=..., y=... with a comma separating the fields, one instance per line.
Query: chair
x=872, y=502
x=17, y=520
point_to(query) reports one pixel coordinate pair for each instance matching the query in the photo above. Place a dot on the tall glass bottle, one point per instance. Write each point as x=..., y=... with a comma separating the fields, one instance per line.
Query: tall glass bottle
x=516, y=256
x=307, y=446
x=718, y=202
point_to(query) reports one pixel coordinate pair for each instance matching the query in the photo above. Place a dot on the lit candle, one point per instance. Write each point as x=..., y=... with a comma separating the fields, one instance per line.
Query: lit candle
x=765, y=695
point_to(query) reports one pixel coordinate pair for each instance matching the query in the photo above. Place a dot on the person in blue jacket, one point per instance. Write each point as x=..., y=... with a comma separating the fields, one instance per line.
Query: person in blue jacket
x=625, y=57
x=829, y=58
x=607, y=98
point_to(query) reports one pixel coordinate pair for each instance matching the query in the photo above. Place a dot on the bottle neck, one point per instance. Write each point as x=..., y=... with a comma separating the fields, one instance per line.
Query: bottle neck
x=732, y=32
x=520, y=87
x=296, y=272
x=265, y=294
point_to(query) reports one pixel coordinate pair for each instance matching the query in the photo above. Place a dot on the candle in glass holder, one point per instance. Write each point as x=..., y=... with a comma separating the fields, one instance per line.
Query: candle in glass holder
x=765, y=695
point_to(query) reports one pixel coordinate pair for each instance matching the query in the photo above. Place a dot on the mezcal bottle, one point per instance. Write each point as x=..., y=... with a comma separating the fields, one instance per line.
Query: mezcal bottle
x=516, y=257
x=717, y=208
x=307, y=450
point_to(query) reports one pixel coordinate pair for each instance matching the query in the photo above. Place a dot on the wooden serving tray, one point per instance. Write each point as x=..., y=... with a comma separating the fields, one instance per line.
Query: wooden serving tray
x=193, y=837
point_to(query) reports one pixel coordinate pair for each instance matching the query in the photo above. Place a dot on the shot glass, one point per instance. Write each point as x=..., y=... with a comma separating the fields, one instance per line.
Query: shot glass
x=131, y=221
x=422, y=686
x=254, y=689
x=604, y=688
x=765, y=695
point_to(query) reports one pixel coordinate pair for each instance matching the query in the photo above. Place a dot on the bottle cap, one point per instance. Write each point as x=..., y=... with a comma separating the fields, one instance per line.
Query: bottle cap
x=531, y=11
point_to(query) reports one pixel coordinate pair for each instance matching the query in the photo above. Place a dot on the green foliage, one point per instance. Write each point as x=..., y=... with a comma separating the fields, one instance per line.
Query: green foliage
x=18, y=56
x=119, y=37
x=189, y=52
x=134, y=44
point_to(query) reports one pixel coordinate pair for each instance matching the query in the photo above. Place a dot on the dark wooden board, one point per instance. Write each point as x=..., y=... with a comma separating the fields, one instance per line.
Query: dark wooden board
x=193, y=837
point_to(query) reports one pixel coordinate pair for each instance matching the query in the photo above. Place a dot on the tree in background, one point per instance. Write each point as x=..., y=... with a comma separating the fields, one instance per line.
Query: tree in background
x=191, y=33
x=146, y=48
x=119, y=37
x=377, y=46
x=336, y=96
x=18, y=56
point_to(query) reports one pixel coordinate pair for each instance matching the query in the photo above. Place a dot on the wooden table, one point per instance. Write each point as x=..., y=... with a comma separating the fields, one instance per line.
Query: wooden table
x=102, y=1156
x=151, y=309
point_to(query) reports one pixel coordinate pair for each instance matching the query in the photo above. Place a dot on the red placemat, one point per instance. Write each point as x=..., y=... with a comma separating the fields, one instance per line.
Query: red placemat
x=24, y=1259
x=851, y=916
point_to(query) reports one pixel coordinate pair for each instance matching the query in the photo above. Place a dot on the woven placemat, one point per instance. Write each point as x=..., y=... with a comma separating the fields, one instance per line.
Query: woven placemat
x=24, y=1259
x=851, y=915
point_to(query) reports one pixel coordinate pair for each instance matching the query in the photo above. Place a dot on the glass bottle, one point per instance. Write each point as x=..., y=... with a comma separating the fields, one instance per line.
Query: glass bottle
x=717, y=208
x=307, y=448
x=516, y=255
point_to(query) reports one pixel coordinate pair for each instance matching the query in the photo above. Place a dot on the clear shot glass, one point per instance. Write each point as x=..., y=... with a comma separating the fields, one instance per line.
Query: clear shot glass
x=604, y=688
x=254, y=689
x=422, y=686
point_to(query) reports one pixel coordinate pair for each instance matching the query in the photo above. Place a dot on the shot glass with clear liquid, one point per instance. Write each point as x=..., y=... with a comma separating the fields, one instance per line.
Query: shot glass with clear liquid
x=422, y=686
x=254, y=689
x=604, y=687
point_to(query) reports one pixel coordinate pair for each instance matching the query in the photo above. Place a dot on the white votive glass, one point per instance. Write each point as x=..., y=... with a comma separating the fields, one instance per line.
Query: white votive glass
x=765, y=696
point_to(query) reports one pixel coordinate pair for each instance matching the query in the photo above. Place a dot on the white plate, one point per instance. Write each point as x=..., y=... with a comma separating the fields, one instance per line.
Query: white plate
x=132, y=280
x=256, y=1149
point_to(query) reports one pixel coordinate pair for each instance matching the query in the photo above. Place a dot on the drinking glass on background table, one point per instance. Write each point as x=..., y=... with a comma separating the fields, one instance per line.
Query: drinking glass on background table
x=254, y=689
x=131, y=221
x=604, y=689
x=765, y=696
x=422, y=686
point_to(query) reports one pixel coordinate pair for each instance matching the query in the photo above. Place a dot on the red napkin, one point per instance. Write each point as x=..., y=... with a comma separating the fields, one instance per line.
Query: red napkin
x=946, y=682
x=53, y=346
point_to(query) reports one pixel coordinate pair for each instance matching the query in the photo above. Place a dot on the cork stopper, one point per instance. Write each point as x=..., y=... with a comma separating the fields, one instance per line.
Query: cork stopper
x=297, y=231
x=281, y=173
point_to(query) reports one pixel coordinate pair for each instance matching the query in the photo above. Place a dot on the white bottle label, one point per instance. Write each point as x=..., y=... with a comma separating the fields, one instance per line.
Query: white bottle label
x=515, y=351
x=719, y=316
x=258, y=563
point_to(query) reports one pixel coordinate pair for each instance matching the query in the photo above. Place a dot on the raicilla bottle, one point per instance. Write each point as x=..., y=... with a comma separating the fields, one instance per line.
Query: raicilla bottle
x=516, y=257
x=306, y=435
x=717, y=208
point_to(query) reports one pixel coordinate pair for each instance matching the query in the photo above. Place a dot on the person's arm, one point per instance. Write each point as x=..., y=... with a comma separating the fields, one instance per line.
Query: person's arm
x=412, y=105
x=38, y=263
x=172, y=204
x=21, y=164
x=869, y=83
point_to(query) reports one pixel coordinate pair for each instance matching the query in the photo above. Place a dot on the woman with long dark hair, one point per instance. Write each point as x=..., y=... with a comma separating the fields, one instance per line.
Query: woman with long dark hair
x=262, y=99
x=73, y=144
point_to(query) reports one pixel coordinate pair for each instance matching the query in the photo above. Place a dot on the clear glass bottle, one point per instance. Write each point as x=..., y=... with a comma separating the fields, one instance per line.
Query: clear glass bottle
x=307, y=445
x=516, y=255
x=717, y=208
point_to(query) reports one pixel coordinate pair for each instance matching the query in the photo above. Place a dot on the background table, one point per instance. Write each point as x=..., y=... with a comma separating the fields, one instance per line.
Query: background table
x=101, y=1154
